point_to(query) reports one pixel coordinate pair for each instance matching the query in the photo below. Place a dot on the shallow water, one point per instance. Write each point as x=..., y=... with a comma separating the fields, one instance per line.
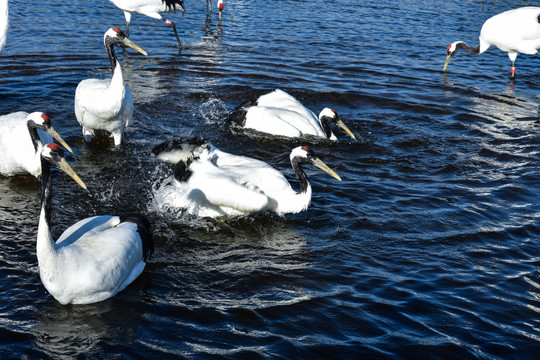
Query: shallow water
x=427, y=248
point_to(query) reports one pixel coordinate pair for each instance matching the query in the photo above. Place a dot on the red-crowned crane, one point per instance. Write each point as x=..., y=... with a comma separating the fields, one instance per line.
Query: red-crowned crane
x=93, y=259
x=151, y=8
x=513, y=31
x=106, y=104
x=208, y=182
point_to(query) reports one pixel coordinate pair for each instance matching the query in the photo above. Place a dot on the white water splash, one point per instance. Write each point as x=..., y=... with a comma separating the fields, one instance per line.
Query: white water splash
x=213, y=111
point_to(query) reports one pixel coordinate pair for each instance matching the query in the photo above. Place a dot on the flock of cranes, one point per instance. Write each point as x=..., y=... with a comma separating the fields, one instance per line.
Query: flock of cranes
x=99, y=256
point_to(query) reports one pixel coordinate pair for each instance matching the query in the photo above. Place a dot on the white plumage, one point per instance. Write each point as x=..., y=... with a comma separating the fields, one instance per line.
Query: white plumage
x=211, y=183
x=4, y=22
x=151, y=8
x=106, y=104
x=93, y=259
x=513, y=31
x=22, y=136
x=279, y=113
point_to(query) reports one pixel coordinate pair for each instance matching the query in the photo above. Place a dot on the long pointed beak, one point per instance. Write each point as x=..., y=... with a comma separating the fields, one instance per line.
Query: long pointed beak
x=58, y=138
x=344, y=127
x=64, y=166
x=318, y=163
x=132, y=45
x=448, y=57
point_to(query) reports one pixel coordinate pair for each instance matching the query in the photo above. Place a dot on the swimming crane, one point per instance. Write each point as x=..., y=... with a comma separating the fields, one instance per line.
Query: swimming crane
x=208, y=182
x=513, y=31
x=93, y=259
x=106, y=104
x=279, y=113
x=151, y=8
x=21, y=142
x=4, y=22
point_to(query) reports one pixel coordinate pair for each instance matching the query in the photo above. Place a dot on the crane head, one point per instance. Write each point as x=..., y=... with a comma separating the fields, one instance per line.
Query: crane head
x=451, y=51
x=117, y=36
x=304, y=155
x=54, y=154
x=330, y=115
x=42, y=122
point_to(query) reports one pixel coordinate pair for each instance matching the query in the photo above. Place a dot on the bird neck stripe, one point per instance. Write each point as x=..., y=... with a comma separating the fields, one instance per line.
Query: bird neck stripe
x=467, y=48
x=326, y=127
x=300, y=174
x=112, y=56
x=46, y=191
x=33, y=134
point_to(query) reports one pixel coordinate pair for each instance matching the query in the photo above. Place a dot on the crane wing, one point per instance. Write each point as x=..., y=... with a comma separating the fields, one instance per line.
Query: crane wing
x=281, y=121
x=252, y=172
x=221, y=187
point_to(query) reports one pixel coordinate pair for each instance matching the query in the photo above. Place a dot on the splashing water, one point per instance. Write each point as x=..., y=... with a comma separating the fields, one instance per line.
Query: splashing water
x=214, y=111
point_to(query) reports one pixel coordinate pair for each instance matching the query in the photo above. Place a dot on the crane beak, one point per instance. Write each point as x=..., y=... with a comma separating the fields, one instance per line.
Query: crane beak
x=132, y=45
x=448, y=57
x=344, y=127
x=318, y=163
x=64, y=166
x=58, y=138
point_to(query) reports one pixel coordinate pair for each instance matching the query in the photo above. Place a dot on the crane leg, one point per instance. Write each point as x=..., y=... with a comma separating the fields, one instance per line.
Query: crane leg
x=117, y=138
x=512, y=56
x=512, y=72
x=127, y=15
x=87, y=134
x=169, y=22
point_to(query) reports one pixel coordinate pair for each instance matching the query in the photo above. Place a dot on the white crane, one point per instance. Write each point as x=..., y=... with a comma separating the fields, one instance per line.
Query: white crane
x=4, y=22
x=21, y=142
x=93, y=259
x=208, y=182
x=513, y=31
x=279, y=113
x=151, y=8
x=106, y=104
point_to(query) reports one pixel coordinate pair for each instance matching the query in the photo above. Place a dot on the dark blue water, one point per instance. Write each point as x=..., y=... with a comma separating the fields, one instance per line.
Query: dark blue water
x=428, y=248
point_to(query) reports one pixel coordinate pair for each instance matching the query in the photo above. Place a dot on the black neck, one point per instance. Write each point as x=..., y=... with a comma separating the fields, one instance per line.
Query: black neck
x=112, y=55
x=467, y=48
x=46, y=190
x=32, y=129
x=300, y=174
x=326, y=127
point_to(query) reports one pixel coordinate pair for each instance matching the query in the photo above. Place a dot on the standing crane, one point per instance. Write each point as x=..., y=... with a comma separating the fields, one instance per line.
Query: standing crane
x=513, y=31
x=151, y=8
x=106, y=104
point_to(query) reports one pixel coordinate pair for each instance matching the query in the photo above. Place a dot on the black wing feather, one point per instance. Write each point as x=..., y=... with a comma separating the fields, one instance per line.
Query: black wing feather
x=171, y=5
x=145, y=230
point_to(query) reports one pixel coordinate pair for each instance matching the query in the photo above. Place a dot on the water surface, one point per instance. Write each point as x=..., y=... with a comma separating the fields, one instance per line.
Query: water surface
x=427, y=248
